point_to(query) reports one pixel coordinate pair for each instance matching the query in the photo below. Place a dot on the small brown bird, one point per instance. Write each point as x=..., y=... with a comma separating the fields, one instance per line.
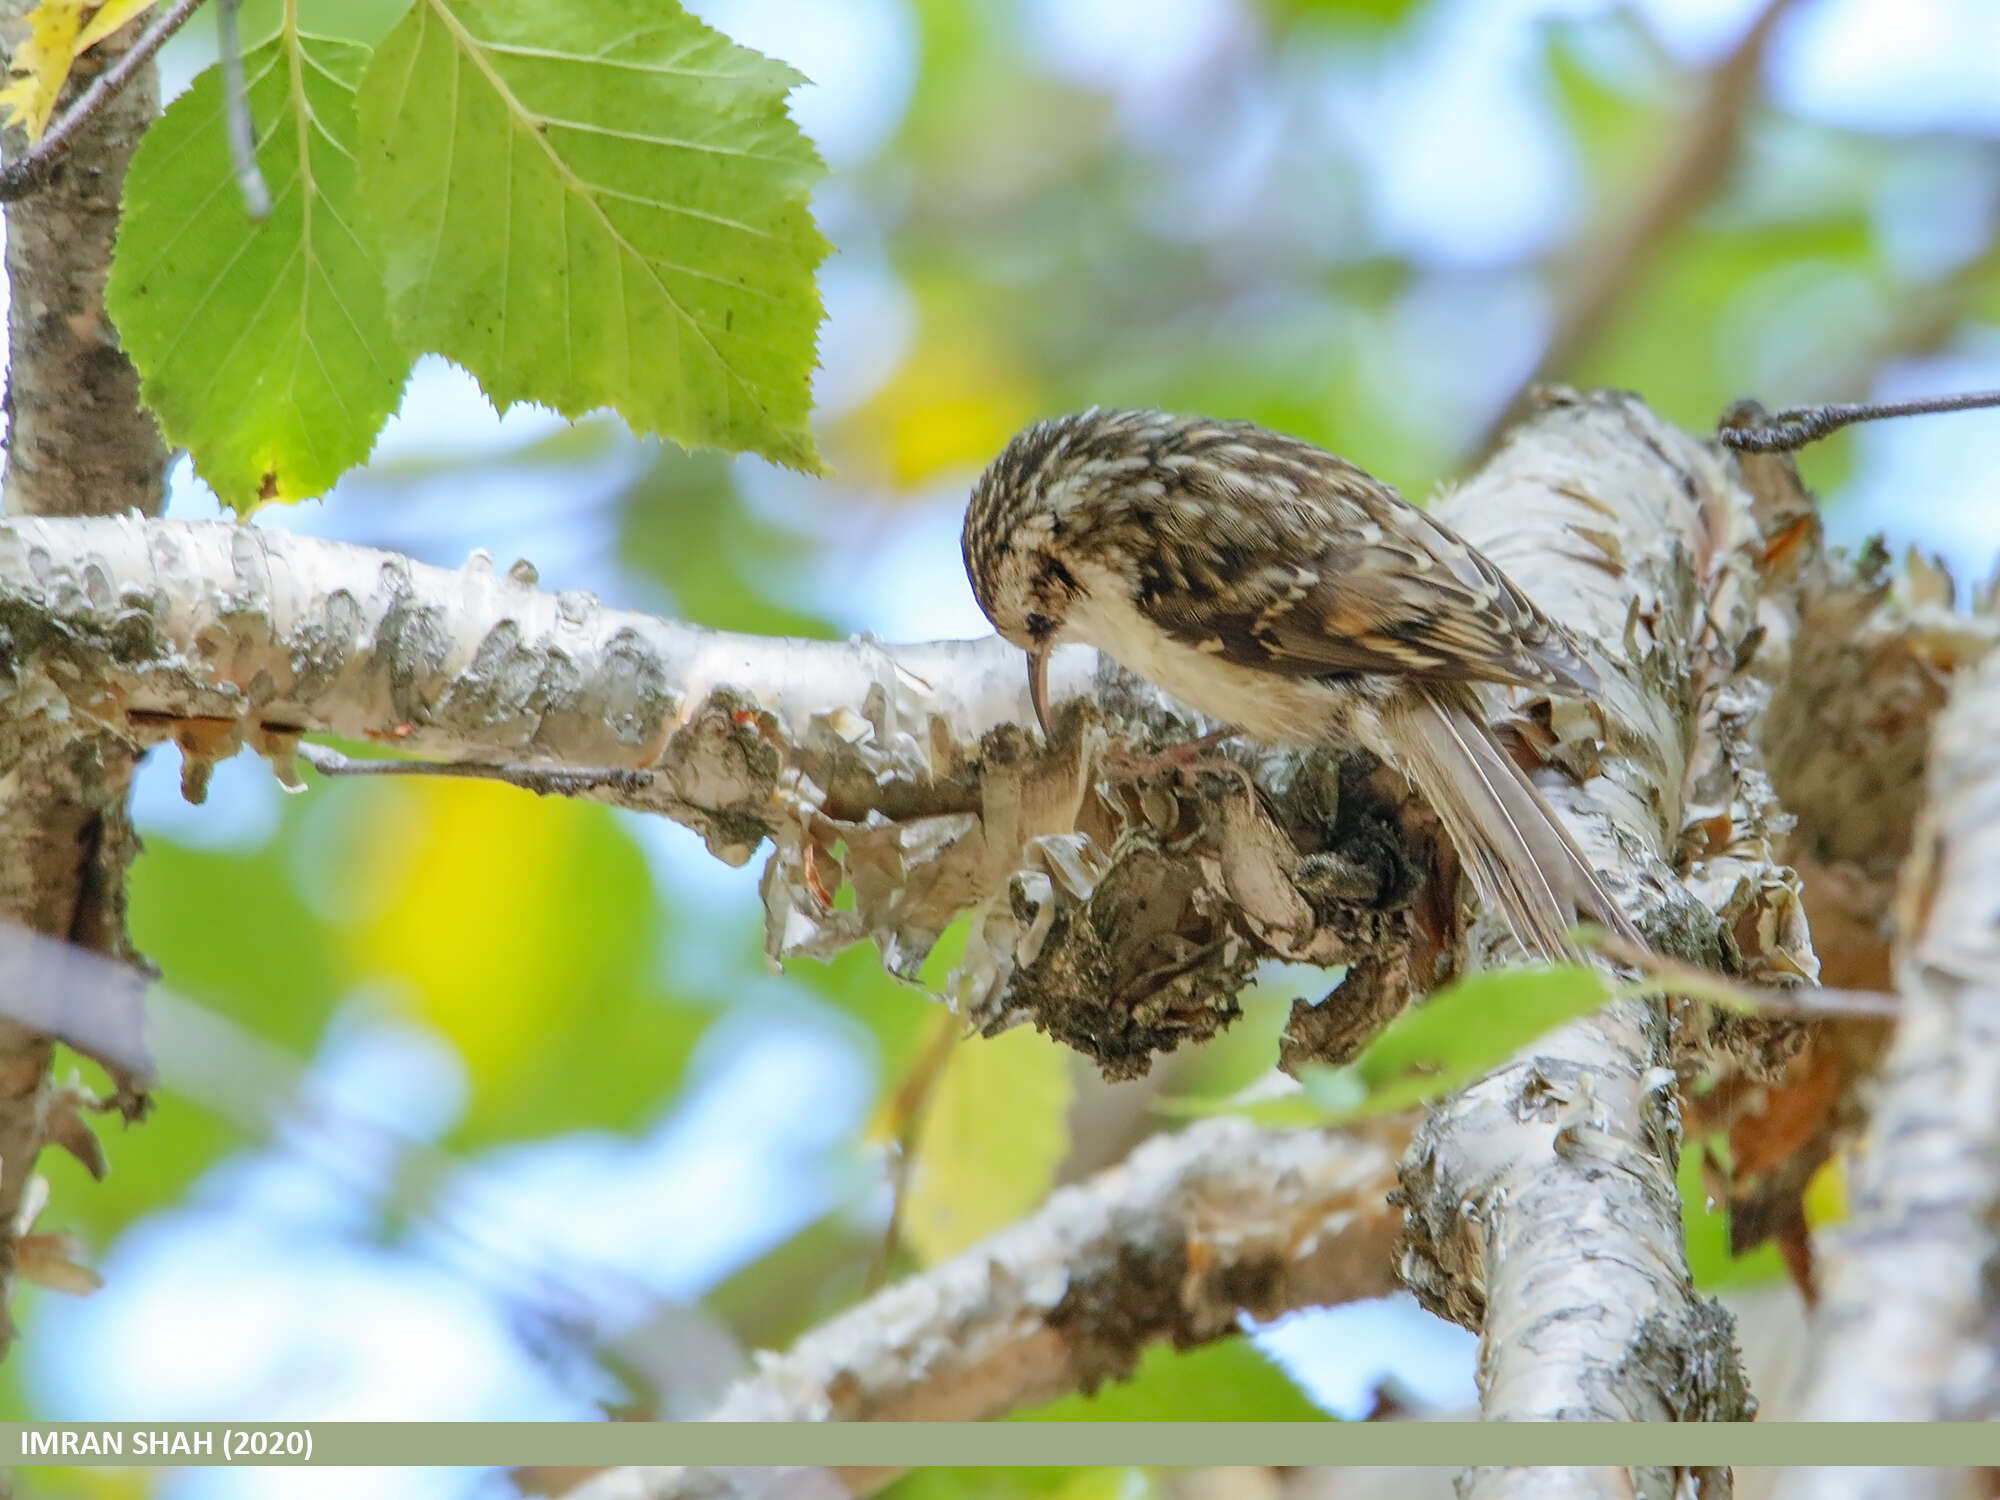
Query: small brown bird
x=1279, y=589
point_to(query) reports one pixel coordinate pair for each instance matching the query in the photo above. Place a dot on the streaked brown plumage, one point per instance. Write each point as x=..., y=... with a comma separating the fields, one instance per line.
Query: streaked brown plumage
x=1280, y=589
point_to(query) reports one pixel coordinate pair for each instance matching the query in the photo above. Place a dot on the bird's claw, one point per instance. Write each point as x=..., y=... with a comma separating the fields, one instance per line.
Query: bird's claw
x=1120, y=764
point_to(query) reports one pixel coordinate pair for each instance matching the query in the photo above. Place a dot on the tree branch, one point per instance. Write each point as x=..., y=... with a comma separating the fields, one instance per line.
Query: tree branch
x=1907, y=1322
x=1542, y=1203
x=901, y=771
x=1191, y=1234
x=1871, y=663
x=30, y=169
x=1858, y=663
x=1787, y=431
x=78, y=443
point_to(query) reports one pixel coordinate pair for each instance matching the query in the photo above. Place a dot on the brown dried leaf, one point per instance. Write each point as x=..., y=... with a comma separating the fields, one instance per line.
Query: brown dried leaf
x=66, y=1128
x=47, y=1260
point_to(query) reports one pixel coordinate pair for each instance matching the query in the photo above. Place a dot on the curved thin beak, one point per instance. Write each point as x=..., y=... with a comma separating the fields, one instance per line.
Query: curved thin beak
x=1038, y=685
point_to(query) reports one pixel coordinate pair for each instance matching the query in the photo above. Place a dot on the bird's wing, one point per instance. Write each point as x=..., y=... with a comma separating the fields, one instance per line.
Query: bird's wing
x=1394, y=592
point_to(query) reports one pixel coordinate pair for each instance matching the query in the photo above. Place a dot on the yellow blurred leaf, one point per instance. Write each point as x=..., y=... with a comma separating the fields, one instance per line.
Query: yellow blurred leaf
x=460, y=916
x=58, y=34
x=995, y=1134
x=110, y=16
x=522, y=930
x=952, y=405
x=40, y=64
x=1826, y=1194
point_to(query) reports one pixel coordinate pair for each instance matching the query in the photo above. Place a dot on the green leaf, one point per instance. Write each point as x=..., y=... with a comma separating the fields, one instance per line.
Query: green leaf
x=1705, y=1224
x=264, y=347
x=1466, y=1030
x=363, y=21
x=1107, y=1483
x=601, y=205
x=1227, y=1381
x=987, y=1152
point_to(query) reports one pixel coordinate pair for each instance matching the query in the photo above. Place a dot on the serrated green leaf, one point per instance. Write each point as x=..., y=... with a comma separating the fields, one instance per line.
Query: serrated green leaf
x=596, y=205
x=363, y=21
x=1466, y=1030
x=264, y=347
x=995, y=1132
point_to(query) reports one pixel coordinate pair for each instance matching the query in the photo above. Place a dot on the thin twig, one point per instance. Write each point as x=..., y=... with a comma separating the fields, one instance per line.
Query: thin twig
x=30, y=170
x=1673, y=977
x=1785, y=431
x=236, y=113
x=543, y=781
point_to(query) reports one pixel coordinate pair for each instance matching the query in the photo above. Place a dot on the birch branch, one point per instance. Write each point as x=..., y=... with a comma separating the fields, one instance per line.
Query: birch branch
x=1873, y=662
x=1122, y=919
x=1182, y=1241
x=1541, y=1201
x=1906, y=1326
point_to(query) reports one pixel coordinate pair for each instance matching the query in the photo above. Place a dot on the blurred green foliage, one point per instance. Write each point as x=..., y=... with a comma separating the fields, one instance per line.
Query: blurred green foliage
x=1025, y=1484
x=994, y=1133
x=1227, y=1381
x=1460, y=1033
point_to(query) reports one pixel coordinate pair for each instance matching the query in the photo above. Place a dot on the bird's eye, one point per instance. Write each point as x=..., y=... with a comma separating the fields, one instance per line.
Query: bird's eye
x=1039, y=626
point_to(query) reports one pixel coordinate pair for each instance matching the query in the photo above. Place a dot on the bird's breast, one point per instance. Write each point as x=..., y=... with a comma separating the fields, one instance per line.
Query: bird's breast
x=1264, y=705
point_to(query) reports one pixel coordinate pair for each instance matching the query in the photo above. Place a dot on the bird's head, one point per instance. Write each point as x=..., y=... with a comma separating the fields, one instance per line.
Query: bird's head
x=1024, y=529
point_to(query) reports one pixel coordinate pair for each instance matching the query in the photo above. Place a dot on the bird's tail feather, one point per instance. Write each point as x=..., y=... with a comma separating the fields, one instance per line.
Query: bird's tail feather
x=1522, y=861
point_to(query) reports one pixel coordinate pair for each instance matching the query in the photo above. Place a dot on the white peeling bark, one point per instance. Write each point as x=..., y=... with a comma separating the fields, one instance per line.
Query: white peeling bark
x=1181, y=1241
x=898, y=770
x=1542, y=1200
x=1909, y=1321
